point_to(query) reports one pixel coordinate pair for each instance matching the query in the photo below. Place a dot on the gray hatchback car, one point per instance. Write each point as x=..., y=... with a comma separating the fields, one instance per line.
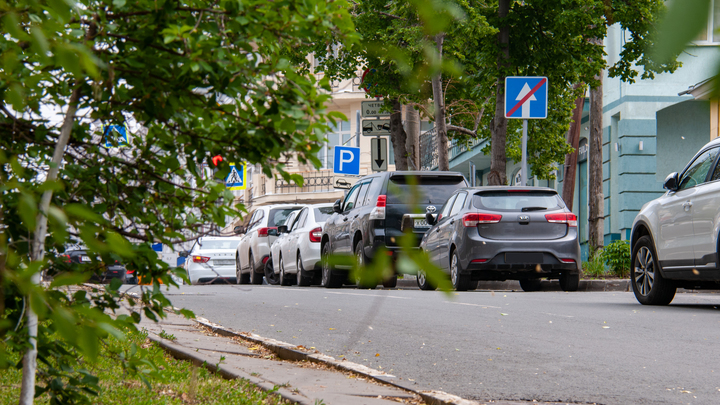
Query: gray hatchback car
x=504, y=233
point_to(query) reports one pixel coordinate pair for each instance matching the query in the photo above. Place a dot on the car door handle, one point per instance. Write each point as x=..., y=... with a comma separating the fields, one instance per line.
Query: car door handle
x=687, y=206
x=452, y=222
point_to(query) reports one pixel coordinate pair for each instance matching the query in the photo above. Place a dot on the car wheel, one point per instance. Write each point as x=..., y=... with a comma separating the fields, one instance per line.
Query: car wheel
x=361, y=260
x=284, y=279
x=648, y=284
x=461, y=282
x=240, y=278
x=255, y=277
x=423, y=282
x=329, y=278
x=270, y=275
x=303, y=279
x=569, y=281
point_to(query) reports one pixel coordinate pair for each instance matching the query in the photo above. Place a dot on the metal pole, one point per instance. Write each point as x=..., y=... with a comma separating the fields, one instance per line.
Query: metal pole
x=357, y=128
x=524, y=154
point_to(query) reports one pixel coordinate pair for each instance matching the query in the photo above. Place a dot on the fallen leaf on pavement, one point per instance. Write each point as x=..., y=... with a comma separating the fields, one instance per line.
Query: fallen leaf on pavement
x=377, y=354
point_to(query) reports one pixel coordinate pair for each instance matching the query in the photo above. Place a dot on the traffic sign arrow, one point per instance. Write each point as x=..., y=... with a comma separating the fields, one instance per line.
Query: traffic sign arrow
x=525, y=109
x=379, y=161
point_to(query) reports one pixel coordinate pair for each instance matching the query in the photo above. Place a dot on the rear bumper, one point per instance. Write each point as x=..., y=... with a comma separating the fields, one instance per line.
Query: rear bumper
x=201, y=273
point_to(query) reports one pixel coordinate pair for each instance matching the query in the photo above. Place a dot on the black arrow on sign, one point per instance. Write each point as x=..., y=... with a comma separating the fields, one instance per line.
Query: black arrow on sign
x=379, y=153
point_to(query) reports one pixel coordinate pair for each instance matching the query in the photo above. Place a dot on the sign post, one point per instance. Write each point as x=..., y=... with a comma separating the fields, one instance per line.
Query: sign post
x=526, y=98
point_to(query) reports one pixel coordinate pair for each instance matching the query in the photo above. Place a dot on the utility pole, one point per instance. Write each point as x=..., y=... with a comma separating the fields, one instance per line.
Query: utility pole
x=596, y=222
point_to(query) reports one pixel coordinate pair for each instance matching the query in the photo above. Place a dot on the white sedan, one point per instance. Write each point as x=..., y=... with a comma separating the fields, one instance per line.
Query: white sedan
x=212, y=258
x=296, y=256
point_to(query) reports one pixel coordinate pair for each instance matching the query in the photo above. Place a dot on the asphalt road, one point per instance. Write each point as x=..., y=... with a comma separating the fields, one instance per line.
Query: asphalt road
x=585, y=347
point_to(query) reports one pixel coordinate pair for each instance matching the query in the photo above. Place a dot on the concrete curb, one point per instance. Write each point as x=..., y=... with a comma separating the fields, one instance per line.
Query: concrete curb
x=287, y=351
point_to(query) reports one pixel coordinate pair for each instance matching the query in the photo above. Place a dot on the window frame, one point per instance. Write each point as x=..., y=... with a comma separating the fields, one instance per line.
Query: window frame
x=708, y=174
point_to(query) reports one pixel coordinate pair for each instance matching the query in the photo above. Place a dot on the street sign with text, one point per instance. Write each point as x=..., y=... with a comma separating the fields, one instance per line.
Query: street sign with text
x=376, y=127
x=379, y=159
x=372, y=109
x=526, y=97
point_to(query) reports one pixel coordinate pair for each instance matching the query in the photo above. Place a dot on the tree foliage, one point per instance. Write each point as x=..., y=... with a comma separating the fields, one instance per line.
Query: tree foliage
x=191, y=79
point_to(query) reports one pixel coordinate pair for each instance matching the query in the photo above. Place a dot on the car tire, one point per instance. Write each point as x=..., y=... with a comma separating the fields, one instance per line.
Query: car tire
x=361, y=261
x=649, y=286
x=330, y=279
x=530, y=284
x=460, y=282
x=270, y=275
x=255, y=277
x=283, y=278
x=303, y=279
x=423, y=282
x=390, y=282
x=569, y=281
x=240, y=278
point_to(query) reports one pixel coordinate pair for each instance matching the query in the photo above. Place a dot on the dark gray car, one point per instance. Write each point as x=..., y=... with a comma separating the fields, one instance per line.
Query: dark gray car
x=504, y=233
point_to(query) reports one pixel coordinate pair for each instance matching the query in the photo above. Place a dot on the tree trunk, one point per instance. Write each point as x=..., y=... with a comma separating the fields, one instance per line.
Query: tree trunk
x=37, y=252
x=595, y=182
x=573, y=138
x=498, y=157
x=398, y=136
x=412, y=143
x=439, y=100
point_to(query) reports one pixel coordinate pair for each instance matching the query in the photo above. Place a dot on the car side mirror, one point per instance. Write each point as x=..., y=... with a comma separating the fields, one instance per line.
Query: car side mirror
x=282, y=229
x=273, y=232
x=239, y=229
x=184, y=254
x=336, y=206
x=430, y=218
x=671, y=182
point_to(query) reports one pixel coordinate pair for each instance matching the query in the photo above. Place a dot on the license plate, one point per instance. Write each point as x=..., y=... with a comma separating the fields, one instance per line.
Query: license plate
x=421, y=223
x=85, y=259
x=524, y=258
x=224, y=262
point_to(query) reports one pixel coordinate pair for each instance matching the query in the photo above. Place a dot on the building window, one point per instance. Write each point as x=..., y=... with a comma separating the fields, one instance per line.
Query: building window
x=710, y=33
x=340, y=135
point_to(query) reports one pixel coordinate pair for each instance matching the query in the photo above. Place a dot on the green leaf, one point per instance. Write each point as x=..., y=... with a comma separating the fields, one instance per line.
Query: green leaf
x=88, y=342
x=683, y=22
x=16, y=97
x=69, y=278
x=119, y=3
x=28, y=211
x=82, y=212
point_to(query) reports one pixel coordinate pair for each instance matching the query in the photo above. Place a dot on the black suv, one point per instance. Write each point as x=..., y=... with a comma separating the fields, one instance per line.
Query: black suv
x=376, y=212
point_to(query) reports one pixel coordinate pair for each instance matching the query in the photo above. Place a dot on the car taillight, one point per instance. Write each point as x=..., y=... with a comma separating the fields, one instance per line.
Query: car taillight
x=130, y=271
x=563, y=218
x=379, y=211
x=473, y=219
x=67, y=258
x=263, y=232
x=568, y=261
x=200, y=259
x=315, y=235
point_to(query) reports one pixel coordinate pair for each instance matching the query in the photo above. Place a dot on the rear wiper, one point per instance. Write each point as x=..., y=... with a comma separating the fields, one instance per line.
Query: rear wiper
x=525, y=209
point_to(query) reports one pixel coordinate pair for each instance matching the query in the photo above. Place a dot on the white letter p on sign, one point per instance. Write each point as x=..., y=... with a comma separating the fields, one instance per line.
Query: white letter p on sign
x=346, y=156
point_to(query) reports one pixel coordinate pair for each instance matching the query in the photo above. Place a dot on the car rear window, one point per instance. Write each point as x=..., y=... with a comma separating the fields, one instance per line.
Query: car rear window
x=229, y=243
x=517, y=200
x=278, y=216
x=323, y=213
x=430, y=189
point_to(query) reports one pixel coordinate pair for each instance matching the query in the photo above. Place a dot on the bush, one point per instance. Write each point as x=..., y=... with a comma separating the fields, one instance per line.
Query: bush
x=595, y=266
x=617, y=257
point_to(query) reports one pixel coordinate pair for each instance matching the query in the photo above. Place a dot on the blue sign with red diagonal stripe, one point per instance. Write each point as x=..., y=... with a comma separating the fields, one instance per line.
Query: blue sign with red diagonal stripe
x=526, y=97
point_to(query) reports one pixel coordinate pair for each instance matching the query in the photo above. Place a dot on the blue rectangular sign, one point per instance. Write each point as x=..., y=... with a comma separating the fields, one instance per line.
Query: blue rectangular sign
x=526, y=97
x=346, y=160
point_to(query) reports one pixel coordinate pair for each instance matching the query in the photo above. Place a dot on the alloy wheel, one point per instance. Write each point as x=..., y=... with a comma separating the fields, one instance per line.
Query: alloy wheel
x=644, y=270
x=454, y=270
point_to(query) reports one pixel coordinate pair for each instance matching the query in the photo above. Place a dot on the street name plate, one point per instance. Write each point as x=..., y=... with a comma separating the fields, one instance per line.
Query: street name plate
x=372, y=109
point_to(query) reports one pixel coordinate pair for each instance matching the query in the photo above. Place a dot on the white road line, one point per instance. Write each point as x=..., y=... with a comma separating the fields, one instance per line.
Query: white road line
x=369, y=295
x=551, y=314
x=470, y=305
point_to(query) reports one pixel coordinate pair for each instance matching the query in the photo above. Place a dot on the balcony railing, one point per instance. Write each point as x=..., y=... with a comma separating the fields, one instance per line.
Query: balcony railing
x=314, y=181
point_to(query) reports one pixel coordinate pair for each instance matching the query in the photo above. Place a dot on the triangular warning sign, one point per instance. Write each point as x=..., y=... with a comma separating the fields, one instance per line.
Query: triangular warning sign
x=234, y=178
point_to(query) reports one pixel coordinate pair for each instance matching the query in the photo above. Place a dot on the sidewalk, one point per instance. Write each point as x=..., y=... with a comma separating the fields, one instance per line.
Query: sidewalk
x=303, y=381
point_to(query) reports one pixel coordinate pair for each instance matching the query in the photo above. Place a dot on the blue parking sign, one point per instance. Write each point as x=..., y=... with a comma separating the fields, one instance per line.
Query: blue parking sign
x=346, y=160
x=526, y=97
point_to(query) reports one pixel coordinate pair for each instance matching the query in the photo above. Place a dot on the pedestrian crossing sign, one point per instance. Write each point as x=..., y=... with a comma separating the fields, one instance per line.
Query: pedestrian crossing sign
x=115, y=136
x=237, y=177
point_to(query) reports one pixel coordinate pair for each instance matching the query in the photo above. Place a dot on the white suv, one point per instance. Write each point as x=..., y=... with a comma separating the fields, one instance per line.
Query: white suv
x=254, y=248
x=675, y=237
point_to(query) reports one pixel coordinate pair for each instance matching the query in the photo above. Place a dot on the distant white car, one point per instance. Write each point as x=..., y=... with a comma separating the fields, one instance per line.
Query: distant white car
x=270, y=275
x=212, y=258
x=296, y=253
x=254, y=248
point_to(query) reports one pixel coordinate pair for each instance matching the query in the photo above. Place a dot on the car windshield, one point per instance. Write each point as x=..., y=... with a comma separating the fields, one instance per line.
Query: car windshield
x=278, y=216
x=517, y=200
x=229, y=243
x=430, y=190
x=323, y=213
